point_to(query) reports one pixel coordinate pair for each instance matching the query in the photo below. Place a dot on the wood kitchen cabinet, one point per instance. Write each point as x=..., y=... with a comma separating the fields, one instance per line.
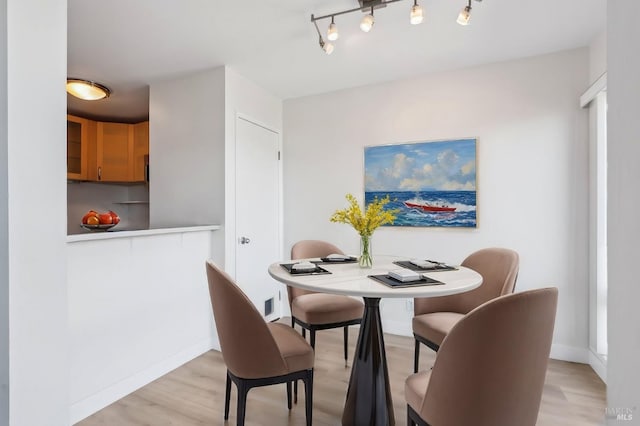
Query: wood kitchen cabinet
x=140, y=151
x=114, y=153
x=81, y=135
x=122, y=151
x=107, y=152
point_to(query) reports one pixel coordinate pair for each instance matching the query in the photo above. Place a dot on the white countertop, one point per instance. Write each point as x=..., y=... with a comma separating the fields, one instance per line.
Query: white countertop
x=92, y=236
x=350, y=279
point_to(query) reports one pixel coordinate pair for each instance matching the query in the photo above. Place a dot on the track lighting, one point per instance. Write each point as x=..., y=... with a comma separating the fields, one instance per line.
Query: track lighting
x=327, y=47
x=332, y=32
x=367, y=22
x=367, y=6
x=465, y=15
x=416, y=16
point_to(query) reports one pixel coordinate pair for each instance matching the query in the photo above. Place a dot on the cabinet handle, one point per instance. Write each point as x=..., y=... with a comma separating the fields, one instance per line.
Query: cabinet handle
x=99, y=173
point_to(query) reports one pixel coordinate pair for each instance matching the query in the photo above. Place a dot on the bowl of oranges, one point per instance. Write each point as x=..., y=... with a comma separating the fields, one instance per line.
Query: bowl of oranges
x=95, y=221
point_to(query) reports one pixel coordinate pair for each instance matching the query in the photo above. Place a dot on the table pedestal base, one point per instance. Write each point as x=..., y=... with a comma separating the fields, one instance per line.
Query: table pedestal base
x=368, y=396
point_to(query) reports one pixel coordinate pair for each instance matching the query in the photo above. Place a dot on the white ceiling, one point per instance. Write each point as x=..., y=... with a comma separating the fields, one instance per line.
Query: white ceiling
x=128, y=45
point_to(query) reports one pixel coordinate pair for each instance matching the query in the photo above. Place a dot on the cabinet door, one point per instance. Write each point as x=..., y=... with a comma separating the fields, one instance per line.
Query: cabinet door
x=140, y=150
x=77, y=139
x=115, y=152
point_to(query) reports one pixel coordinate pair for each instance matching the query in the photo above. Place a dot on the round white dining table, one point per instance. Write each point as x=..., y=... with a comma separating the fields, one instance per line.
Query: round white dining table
x=369, y=399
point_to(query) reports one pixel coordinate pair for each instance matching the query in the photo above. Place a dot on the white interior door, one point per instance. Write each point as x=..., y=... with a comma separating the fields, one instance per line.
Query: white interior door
x=257, y=213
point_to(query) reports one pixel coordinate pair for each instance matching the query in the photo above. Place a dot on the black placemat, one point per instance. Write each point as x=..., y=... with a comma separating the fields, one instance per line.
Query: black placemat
x=391, y=282
x=416, y=268
x=317, y=271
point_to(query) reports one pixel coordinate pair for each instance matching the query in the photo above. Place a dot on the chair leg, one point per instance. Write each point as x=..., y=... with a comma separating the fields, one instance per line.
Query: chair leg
x=312, y=338
x=295, y=391
x=414, y=419
x=242, y=402
x=289, y=395
x=416, y=357
x=304, y=333
x=227, y=396
x=293, y=322
x=308, y=396
x=410, y=421
x=346, y=343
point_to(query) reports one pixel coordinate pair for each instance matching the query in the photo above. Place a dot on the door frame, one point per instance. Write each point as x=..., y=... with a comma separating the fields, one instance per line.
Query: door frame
x=594, y=99
x=233, y=239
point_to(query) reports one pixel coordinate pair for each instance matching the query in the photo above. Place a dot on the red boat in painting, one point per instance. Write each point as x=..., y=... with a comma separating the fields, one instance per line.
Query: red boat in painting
x=427, y=207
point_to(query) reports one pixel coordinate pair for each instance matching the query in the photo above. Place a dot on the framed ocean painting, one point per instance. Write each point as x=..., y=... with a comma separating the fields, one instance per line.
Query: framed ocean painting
x=430, y=183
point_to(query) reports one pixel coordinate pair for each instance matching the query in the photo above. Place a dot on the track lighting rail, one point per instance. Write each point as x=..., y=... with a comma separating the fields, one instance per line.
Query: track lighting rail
x=355, y=9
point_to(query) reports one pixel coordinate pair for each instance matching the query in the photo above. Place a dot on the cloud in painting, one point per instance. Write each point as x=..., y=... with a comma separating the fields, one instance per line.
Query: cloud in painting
x=468, y=168
x=444, y=166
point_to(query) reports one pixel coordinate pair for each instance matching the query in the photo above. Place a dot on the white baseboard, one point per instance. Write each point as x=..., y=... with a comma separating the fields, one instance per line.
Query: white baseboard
x=598, y=365
x=84, y=408
x=569, y=353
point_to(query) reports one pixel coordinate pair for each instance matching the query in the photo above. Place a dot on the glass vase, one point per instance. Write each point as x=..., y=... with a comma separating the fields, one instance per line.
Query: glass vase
x=365, y=260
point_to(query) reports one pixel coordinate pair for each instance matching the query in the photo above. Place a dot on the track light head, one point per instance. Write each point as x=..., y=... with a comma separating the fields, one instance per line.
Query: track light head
x=327, y=47
x=465, y=15
x=367, y=22
x=416, y=17
x=332, y=32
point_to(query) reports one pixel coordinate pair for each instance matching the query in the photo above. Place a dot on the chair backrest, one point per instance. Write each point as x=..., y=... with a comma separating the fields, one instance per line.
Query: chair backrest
x=499, y=269
x=248, y=347
x=305, y=249
x=490, y=368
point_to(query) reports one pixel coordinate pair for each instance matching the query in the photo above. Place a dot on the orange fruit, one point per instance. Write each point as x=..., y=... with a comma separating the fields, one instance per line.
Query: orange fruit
x=93, y=220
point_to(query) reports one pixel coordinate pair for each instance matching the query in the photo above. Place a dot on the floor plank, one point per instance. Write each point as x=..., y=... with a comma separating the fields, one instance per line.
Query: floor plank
x=194, y=393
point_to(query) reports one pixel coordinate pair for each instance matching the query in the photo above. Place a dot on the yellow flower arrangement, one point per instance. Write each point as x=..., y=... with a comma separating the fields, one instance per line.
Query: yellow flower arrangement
x=374, y=216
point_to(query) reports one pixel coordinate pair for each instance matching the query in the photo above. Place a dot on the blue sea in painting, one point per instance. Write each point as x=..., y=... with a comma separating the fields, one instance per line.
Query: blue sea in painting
x=464, y=202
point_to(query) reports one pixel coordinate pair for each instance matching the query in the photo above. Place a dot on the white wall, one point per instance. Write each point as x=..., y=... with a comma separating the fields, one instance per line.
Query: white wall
x=186, y=150
x=36, y=131
x=245, y=98
x=623, y=374
x=138, y=308
x=597, y=56
x=532, y=171
x=4, y=225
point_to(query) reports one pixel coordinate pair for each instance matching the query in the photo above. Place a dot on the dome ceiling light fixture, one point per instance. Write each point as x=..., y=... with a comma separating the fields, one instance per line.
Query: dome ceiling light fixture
x=416, y=16
x=87, y=90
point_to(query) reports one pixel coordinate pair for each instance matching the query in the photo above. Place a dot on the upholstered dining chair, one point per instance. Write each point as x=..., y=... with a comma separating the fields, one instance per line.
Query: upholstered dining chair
x=318, y=311
x=256, y=353
x=491, y=366
x=435, y=316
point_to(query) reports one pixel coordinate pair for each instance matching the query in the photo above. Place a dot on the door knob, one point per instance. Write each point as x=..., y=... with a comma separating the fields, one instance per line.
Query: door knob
x=244, y=240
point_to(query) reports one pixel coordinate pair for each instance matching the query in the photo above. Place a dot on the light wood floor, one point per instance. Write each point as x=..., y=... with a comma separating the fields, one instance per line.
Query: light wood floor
x=194, y=393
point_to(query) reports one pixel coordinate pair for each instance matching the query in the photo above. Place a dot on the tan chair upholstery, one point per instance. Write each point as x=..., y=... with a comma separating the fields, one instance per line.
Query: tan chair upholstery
x=435, y=316
x=318, y=311
x=256, y=353
x=490, y=368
